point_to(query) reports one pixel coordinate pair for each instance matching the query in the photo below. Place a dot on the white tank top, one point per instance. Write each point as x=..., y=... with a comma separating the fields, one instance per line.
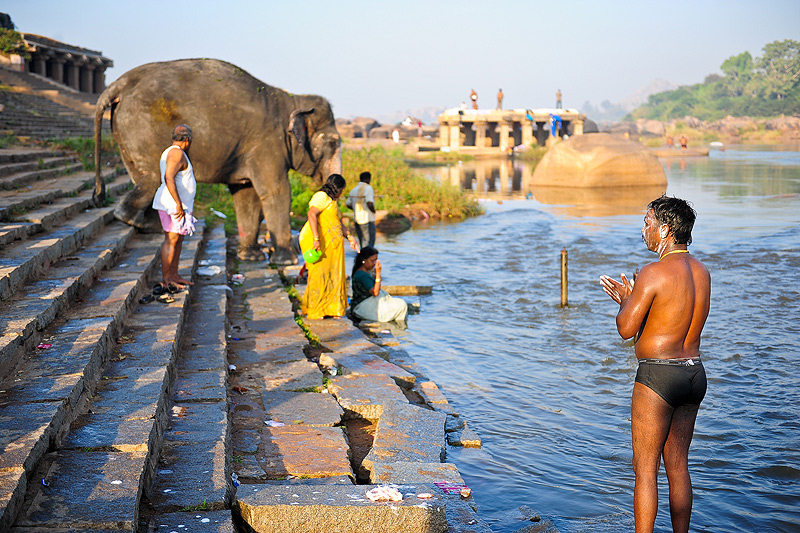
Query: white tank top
x=184, y=182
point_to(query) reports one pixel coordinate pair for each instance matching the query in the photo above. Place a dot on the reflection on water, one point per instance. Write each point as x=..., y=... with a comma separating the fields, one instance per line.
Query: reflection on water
x=505, y=179
x=548, y=389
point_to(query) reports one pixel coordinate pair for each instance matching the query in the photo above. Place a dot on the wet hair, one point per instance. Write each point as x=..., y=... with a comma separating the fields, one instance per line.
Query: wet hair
x=365, y=176
x=677, y=214
x=365, y=253
x=182, y=132
x=334, y=186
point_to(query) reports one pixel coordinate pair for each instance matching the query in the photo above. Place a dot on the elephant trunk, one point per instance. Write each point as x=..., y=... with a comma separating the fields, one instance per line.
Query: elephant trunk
x=334, y=164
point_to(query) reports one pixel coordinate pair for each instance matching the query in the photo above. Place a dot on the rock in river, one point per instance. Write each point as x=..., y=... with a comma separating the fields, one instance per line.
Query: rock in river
x=599, y=160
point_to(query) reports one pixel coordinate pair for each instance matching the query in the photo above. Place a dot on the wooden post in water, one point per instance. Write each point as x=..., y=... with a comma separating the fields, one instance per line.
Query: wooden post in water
x=564, y=278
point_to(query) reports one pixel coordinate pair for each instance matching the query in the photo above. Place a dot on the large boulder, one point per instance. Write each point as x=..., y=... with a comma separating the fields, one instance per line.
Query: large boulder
x=599, y=160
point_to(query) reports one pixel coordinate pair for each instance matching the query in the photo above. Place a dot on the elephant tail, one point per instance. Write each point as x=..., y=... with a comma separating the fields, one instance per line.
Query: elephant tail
x=109, y=98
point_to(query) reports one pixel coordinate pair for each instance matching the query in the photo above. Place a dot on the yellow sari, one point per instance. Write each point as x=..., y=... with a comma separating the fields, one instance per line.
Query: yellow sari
x=326, y=292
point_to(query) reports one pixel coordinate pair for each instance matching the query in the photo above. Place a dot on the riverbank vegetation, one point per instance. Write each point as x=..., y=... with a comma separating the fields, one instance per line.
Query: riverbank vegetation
x=765, y=86
x=398, y=188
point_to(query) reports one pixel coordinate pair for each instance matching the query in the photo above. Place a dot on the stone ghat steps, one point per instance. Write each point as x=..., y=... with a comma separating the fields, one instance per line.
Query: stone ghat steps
x=96, y=476
x=30, y=114
x=298, y=470
x=57, y=93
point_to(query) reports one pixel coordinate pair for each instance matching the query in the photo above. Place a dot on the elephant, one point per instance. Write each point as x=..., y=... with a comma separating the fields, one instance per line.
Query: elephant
x=247, y=134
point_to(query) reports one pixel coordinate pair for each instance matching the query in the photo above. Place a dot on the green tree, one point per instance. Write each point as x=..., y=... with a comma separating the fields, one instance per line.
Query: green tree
x=11, y=42
x=779, y=68
x=738, y=72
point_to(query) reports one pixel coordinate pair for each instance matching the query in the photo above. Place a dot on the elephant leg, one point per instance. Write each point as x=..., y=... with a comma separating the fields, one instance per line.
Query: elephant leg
x=276, y=204
x=248, y=217
x=136, y=209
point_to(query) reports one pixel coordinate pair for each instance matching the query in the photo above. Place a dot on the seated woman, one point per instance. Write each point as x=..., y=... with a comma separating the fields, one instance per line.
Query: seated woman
x=369, y=302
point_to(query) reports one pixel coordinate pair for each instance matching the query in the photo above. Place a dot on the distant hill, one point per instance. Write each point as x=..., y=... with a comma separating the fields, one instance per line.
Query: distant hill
x=608, y=111
x=765, y=86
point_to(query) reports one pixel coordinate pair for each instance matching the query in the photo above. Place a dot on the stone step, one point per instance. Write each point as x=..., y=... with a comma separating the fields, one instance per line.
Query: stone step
x=365, y=396
x=34, y=221
x=194, y=469
x=342, y=509
x=20, y=179
x=95, y=478
x=39, y=302
x=14, y=204
x=23, y=260
x=9, y=169
x=406, y=434
x=52, y=384
x=22, y=155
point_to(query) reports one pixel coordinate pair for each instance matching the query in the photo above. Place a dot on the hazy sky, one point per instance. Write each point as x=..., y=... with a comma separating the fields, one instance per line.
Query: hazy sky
x=375, y=57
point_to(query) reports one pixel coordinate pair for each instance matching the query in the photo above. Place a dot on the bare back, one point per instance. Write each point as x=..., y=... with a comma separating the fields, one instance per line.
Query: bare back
x=667, y=308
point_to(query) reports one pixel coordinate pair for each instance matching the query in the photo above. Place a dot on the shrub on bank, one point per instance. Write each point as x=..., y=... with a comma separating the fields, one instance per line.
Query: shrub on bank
x=397, y=186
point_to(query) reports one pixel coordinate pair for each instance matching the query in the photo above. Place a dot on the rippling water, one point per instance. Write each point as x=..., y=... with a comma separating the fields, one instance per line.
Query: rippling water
x=548, y=389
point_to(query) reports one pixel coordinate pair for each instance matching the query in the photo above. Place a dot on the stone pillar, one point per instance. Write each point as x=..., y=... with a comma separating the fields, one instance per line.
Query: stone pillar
x=57, y=69
x=504, y=129
x=86, y=79
x=480, y=134
x=577, y=126
x=73, y=75
x=455, y=135
x=39, y=65
x=444, y=135
x=527, y=132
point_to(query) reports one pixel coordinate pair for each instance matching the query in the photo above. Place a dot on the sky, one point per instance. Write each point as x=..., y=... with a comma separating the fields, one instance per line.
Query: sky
x=375, y=58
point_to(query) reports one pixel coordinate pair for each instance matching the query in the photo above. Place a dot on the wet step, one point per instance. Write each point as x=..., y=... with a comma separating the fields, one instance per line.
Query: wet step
x=52, y=382
x=95, y=478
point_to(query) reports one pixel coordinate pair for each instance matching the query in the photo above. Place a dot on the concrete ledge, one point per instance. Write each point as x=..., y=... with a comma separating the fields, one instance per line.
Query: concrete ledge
x=331, y=508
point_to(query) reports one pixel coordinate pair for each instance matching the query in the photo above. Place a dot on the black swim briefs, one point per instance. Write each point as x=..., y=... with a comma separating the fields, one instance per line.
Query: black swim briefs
x=678, y=381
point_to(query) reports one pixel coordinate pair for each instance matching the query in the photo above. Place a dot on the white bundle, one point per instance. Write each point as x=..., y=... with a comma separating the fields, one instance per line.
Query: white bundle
x=384, y=493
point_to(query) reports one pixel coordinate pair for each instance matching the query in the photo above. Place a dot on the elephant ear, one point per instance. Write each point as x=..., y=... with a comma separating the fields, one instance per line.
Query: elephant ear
x=297, y=125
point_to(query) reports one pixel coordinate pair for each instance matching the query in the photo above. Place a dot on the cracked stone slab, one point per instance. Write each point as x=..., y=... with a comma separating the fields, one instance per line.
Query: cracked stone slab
x=366, y=364
x=277, y=509
x=303, y=408
x=465, y=437
x=304, y=451
x=410, y=473
x=365, y=396
x=406, y=433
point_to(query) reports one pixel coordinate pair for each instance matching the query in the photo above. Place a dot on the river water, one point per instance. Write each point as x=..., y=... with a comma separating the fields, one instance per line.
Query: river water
x=548, y=388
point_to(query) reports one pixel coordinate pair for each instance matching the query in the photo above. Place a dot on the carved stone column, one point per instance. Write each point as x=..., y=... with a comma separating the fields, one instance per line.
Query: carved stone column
x=577, y=125
x=87, y=78
x=504, y=129
x=73, y=75
x=57, y=69
x=38, y=64
x=480, y=133
x=527, y=132
x=444, y=135
x=455, y=135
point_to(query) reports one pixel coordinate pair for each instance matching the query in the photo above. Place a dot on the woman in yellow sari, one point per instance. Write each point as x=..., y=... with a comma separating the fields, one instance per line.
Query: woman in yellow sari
x=326, y=291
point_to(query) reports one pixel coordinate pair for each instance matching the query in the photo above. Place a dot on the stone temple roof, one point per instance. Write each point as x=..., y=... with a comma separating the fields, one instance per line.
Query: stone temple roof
x=46, y=42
